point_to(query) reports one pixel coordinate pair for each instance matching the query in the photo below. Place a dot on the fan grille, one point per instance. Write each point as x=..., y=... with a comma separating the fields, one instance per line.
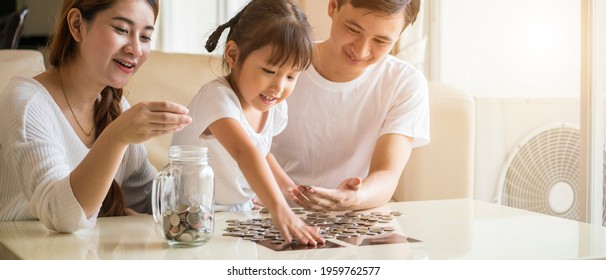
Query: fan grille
x=543, y=174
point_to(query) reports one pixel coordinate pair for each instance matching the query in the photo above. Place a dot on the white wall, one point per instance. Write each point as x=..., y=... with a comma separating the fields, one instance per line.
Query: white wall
x=511, y=48
x=600, y=32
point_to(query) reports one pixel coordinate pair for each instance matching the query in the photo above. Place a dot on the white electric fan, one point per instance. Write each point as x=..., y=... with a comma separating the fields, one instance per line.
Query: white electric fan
x=542, y=172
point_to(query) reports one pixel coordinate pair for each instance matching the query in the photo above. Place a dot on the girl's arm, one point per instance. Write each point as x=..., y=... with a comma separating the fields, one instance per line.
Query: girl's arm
x=254, y=166
x=258, y=174
x=284, y=181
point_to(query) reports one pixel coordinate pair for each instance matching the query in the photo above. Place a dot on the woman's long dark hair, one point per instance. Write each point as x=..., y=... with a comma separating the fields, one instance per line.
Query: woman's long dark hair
x=107, y=108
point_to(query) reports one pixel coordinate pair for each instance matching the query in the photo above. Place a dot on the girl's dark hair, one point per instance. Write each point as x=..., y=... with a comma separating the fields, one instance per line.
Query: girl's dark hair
x=388, y=7
x=62, y=49
x=277, y=23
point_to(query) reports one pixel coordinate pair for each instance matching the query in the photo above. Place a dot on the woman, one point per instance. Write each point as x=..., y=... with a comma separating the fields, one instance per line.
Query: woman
x=71, y=145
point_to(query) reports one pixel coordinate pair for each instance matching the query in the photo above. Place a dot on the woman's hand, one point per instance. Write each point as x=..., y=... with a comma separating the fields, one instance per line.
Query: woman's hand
x=344, y=197
x=146, y=120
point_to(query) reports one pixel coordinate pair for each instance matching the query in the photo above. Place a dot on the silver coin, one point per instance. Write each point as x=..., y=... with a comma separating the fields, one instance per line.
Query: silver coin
x=193, y=219
x=194, y=208
x=397, y=213
x=182, y=208
x=175, y=220
x=188, y=235
x=388, y=228
x=166, y=222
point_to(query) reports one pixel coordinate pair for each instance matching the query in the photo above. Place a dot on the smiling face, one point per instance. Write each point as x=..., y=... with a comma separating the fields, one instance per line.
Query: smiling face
x=358, y=38
x=259, y=84
x=116, y=42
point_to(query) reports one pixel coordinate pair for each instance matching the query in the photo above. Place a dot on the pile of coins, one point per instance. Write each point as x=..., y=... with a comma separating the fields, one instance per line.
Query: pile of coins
x=331, y=226
x=187, y=223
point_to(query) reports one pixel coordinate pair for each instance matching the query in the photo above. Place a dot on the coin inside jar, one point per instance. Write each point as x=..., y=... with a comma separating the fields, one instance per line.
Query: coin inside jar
x=166, y=222
x=195, y=208
x=181, y=208
x=193, y=219
x=188, y=235
x=175, y=220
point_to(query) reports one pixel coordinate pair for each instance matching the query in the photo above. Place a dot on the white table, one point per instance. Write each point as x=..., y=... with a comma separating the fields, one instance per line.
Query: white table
x=447, y=229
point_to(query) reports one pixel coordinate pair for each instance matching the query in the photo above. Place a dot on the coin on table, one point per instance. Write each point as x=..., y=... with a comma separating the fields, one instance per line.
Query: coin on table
x=388, y=228
x=376, y=229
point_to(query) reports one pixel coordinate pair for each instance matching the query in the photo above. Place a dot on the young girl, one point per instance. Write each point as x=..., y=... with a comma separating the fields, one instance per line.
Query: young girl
x=236, y=116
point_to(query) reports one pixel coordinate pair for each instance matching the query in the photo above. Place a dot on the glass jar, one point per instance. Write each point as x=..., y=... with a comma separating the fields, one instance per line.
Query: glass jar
x=183, y=197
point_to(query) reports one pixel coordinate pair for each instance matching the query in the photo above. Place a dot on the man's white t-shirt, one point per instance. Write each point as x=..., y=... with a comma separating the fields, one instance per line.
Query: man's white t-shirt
x=217, y=100
x=333, y=127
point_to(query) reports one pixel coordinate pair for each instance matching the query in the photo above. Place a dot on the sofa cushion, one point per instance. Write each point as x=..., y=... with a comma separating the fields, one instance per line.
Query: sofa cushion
x=443, y=169
x=27, y=63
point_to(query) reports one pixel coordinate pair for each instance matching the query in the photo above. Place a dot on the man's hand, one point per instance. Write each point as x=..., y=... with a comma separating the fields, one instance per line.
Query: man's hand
x=344, y=197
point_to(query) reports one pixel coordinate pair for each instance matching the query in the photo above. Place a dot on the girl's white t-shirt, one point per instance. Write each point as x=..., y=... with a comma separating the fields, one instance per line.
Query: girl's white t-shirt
x=214, y=101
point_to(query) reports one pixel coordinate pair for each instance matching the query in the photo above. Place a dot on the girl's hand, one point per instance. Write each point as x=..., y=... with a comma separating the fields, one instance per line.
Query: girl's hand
x=292, y=226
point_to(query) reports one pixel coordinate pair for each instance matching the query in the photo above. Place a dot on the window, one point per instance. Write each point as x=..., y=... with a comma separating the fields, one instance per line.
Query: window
x=529, y=68
x=183, y=26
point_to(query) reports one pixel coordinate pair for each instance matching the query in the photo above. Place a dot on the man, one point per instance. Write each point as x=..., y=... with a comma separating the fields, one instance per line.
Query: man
x=357, y=112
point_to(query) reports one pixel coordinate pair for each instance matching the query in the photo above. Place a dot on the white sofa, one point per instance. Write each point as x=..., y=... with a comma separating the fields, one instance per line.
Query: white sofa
x=441, y=170
x=19, y=62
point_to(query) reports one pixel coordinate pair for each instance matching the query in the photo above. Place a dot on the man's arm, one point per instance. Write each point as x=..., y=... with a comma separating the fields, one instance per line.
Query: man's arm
x=389, y=158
